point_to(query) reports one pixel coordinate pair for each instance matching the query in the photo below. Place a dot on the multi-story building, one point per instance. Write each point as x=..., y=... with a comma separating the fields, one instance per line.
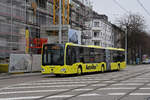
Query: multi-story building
x=119, y=37
x=101, y=31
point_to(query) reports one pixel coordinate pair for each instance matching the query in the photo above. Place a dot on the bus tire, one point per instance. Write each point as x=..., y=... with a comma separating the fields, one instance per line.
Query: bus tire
x=79, y=71
x=102, y=68
x=58, y=75
x=118, y=67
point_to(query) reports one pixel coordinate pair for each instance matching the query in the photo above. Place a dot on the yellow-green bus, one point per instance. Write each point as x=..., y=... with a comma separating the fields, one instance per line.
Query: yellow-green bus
x=69, y=58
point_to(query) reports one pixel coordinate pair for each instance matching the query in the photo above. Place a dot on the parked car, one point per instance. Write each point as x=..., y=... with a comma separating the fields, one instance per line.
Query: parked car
x=147, y=61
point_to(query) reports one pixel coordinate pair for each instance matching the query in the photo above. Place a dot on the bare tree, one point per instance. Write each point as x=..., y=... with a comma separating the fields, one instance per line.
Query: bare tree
x=135, y=26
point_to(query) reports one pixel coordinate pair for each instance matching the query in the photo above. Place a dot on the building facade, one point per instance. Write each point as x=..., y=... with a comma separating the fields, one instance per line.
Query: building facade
x=119, y=37
x=41, y=19
x=101, y=32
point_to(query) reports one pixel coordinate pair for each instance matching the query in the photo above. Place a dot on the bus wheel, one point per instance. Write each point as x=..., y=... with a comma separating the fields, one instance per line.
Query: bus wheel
x=102, y=69
x=58, y=75
x=118, y=66
x=79, y=71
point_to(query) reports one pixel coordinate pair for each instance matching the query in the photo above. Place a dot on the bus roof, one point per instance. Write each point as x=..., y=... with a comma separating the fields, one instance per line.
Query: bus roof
x=93, y=46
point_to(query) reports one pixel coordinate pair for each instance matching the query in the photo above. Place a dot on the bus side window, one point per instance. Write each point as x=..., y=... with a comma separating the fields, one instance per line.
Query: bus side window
x=81, y=55
x=92, y=55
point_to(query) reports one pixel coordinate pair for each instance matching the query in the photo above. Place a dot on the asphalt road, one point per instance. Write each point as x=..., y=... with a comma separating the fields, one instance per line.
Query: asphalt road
x=132, y=83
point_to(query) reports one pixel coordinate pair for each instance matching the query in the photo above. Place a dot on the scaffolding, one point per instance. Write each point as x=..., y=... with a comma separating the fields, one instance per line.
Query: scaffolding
x=40, y=19
x=12, y=28
x=65, y=11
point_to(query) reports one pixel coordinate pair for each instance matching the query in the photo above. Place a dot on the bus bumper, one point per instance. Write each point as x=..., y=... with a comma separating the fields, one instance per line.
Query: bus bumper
x=53, y=70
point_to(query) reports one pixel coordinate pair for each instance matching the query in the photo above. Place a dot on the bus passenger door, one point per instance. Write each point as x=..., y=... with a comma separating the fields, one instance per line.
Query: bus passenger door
x=107, y=59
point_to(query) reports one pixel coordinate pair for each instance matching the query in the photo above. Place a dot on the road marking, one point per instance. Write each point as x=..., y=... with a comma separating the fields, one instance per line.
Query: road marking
x=128, y=84
x=116, y=94
x=63, y=83
x=119, y=88
x=139, y=94
x=60, y=96
x=134, y=81
x=82, y=89
x=53, y=86
x=145, y=88
x=21, y=98
x=35, y=91
x=99, y=85
x=94, y=94
x=109, y=81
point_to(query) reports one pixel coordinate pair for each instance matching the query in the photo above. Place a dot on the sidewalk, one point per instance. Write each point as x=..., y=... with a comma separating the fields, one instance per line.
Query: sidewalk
x=8, y=75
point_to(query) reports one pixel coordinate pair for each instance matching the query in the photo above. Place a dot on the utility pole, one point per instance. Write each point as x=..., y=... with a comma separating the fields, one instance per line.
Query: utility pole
x=126, y=44
x=60, y=25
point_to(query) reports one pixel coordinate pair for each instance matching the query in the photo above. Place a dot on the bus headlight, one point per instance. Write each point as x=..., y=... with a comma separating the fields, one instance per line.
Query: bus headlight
x=63, y=70
x=43, y=70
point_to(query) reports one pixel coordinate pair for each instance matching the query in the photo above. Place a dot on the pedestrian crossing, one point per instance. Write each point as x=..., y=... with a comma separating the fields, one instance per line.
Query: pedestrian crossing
x=84, y=86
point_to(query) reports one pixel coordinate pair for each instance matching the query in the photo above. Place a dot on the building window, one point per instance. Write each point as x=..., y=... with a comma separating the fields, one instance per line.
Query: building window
x=97, y=43
x=42, y=3
x=96, y=24
x=96, y=34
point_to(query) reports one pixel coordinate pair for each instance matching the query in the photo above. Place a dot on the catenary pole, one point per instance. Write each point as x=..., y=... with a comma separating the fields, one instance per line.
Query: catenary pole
x=126, y=44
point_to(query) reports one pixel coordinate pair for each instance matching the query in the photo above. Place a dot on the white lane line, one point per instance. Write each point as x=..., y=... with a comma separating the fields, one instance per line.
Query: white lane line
x=119, y=88
x=82, y=89
x=128, y=84
x=140, y=78
x=11, y=86
x=139, y=94
x=144, y=88
x=60, y=96
x=99, y=85
x=53, y=86
x=71, y=80
x=35, y=91
x=62, y=83
x=136, y=81
x=93, y=94
x=108, y=81
x=116, y=94
x=21, y=98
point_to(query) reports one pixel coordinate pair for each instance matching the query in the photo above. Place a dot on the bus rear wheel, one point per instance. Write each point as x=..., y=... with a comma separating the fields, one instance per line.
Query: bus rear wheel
x=79, y=71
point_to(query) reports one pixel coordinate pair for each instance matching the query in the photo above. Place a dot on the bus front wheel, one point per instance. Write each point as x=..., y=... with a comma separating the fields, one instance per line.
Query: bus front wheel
x=79, y=71
x=102, y=68
x=118, y=67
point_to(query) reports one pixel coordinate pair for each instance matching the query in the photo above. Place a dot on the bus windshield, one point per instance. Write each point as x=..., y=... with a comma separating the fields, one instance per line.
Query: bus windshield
x=53, y=54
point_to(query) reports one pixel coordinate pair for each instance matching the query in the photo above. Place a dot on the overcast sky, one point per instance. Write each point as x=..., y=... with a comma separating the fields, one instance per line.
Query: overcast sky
x=113, y=11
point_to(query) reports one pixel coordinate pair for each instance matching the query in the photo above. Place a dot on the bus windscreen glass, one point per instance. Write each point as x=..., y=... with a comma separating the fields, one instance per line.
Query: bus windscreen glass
x=53, y=55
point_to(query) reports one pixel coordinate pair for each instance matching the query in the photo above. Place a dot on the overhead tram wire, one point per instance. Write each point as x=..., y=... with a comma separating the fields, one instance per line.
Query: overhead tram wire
x=143, y=7
x=116, y=2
